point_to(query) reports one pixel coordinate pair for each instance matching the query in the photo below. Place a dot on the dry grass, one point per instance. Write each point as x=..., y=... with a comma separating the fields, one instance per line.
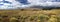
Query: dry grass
x=18, y=12
x=31, y=16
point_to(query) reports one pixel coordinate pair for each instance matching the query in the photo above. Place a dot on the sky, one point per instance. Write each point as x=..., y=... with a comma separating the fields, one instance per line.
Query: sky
x=13, y=4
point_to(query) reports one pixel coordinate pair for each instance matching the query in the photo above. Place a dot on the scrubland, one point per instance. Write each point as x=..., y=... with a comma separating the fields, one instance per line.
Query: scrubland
x=30, y=15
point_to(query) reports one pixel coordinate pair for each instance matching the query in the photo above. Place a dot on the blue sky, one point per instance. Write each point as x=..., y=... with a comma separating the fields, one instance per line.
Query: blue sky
x=4, y=2
x=23, y=1
x=27, y=3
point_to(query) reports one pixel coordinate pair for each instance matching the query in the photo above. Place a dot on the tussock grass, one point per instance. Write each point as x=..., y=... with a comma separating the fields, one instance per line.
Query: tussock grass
x=30, y=16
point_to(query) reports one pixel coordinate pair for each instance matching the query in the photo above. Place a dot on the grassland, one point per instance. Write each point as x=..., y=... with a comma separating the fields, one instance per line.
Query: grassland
x=30, y=15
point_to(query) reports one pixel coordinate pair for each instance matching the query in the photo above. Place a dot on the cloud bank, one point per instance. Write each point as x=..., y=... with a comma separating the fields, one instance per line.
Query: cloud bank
x=20, y=3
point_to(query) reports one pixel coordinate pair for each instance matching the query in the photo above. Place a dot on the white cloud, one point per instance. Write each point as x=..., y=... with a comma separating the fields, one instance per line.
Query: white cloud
x=44, y=2
x=16, y=4
x=1, y=0
x=7, y=5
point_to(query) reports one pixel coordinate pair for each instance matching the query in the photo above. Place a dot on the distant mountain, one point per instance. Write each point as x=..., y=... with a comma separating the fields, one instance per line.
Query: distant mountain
x=45, y=7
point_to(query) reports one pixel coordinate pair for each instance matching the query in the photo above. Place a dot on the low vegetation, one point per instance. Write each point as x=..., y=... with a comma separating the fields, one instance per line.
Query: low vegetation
x=30, y=16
